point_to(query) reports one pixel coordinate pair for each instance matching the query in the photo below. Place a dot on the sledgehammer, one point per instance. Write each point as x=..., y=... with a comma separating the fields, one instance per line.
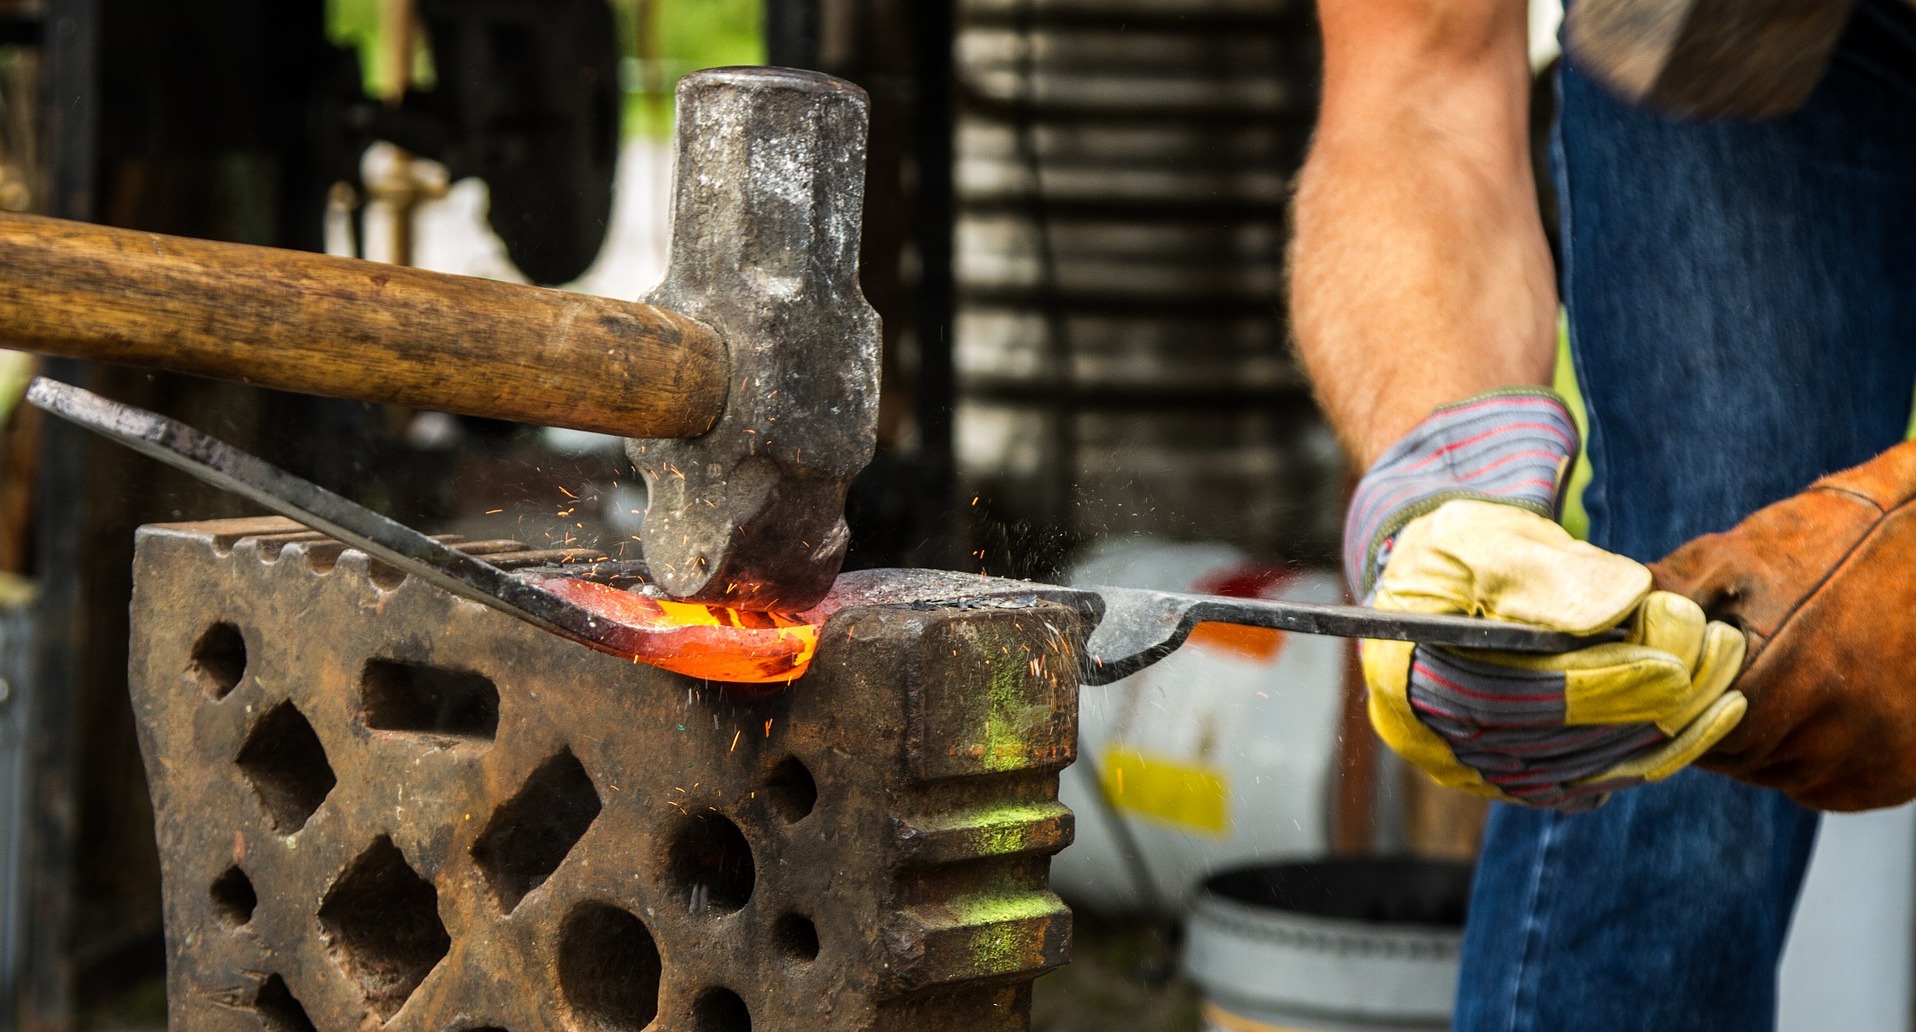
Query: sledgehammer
x=747, y=384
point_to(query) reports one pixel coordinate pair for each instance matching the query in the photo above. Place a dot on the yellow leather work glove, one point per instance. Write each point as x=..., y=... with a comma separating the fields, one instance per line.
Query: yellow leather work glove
x=1545, y=730
x=1456, y=518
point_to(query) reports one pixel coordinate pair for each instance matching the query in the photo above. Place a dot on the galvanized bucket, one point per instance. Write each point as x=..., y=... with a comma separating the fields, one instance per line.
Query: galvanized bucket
x=1342, y=945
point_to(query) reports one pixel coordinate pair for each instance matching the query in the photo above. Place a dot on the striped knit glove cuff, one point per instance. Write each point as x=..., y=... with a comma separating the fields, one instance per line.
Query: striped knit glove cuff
x=1513, y=446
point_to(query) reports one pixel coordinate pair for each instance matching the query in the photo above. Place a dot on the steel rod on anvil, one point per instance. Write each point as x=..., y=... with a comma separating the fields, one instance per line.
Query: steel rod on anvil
x=346, y=328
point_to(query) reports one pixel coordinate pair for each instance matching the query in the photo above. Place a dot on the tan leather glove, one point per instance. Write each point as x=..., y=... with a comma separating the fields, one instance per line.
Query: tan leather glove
x=1823, y=585
x=1455, y=518
x=1547, y=730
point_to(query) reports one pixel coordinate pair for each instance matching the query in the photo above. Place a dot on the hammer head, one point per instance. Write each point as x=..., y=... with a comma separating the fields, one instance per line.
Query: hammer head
x=1707, y=58
x=765, y=232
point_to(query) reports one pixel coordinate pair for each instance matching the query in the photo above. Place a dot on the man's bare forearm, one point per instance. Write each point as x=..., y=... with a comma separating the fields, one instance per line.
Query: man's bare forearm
x=1419, y=271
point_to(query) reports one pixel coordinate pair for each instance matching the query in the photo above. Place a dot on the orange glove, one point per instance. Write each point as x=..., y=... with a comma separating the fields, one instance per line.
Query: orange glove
x=1822, y=584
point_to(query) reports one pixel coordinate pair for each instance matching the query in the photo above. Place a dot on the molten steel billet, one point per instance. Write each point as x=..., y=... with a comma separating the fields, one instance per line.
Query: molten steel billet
x=740, y=646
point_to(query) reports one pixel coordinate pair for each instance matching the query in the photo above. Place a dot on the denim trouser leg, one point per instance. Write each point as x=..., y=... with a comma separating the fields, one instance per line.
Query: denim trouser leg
x=1742, y=303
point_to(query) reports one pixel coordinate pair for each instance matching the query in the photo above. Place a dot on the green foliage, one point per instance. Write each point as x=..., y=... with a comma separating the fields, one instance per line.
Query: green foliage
x=688, y=35
x=354, y=24
x=16, y=369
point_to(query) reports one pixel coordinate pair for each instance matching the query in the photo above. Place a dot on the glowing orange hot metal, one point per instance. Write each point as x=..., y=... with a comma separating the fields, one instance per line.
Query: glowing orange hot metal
x=717, y=643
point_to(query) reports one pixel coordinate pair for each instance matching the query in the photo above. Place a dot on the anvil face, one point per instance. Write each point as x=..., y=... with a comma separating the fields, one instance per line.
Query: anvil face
x=379, y=803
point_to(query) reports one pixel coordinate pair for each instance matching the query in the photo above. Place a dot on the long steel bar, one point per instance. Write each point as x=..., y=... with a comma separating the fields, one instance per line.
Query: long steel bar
x=1141, y=627
x=389, y=541
x=1138, y=627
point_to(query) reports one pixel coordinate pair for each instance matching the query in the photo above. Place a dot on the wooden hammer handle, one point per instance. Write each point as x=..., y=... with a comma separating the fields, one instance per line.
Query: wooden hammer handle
x=355, y=329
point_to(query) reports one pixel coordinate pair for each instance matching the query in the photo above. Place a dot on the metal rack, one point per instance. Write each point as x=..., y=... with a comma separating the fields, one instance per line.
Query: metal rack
x=1122, y=172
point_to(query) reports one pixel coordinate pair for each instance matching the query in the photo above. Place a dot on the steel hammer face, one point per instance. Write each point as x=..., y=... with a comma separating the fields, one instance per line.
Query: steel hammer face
x=766, y=207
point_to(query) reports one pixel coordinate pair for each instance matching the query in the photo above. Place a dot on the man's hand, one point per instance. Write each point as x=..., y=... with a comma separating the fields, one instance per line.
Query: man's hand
x=1822, y=584
x=1454, y=519
x=1560, y=731
x=1419, y=273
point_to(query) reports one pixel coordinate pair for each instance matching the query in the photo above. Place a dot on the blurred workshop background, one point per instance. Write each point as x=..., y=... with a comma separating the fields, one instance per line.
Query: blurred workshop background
x=1074, y=233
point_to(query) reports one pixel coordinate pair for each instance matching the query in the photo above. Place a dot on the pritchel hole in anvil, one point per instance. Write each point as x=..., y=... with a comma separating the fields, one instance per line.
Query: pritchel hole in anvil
x=721, y=1010
x=233, y=897
x=278, y=1009
x=528, y=838
x=219, y=660
x=609, y=968
x=710, y=863
x=384, y=577
x=797, y=936
x=423, y=700
x=380, y=922
x=792, y=790
x=322, y=556
x=287, y=767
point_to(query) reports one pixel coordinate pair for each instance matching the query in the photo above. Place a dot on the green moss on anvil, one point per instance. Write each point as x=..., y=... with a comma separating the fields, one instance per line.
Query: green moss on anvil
x=999, y=942
x=1005, y=746
x=996, y=908
x=1010, y=720
x=997, y=949
x=998, y=830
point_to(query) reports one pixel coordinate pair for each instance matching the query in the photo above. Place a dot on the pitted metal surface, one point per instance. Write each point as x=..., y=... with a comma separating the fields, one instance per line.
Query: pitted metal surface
x=769, y=192
x=382, y=806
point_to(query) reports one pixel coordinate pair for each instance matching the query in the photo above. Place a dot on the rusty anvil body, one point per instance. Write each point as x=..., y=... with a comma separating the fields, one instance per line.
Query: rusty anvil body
x=747, y=385
x=379, y=804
